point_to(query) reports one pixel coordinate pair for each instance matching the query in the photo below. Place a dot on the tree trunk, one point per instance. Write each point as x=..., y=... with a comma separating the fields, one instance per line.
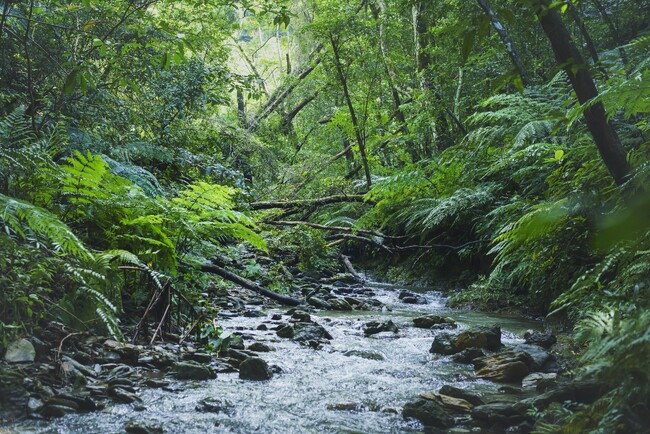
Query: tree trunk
x=515, y=58
x=215, y=269
x=310, y=202
x=361, y=141
x=567, y=54
x=575, y=14
x=379, y=15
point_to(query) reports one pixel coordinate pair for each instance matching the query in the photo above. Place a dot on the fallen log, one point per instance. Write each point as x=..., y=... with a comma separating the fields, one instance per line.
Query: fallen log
x=215, y=269
x=358, y=238
x=333, y=228
x=350, y=267
x=310, y=202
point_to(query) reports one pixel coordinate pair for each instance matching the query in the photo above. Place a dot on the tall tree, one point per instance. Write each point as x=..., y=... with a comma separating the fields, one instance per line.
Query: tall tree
x=569, y=57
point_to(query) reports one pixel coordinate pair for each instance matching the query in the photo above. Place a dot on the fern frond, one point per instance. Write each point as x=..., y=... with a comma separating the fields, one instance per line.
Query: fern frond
x=25, y=219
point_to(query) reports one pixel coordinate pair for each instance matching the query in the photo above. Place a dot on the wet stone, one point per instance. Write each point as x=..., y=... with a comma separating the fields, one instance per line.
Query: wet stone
x=467, y=355
x=122, y=395
x=255, y=369
x=155, y=383
x=198, y=357
x=319, y=303
x=135, y=426
x=506, y=367
x=455, y=392
x=444, y=344
x=544, y=340
x=192, y=371
x=429, y=412
x=374, y=327
x=429, y=321
x=214, y=405
x=411, y=297
x=259, y=347
x=479, y=337
x=369, y=355
x=339, y=304
x=52, y=411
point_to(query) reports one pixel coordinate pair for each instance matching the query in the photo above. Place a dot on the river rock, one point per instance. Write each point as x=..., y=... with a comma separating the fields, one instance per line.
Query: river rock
x=444, y=344
x=214, y=405
x=259, y=347
x=301, y=316
x=455, y=392
x=542, y=360
x=411, y=297
x=255, y=369
x=506, y=367
x=197, y=356
x=121, y=394
x=544, y=340
x=429, y=412
x=52, y=411
x=539, y=381
x=479, y=337
x=305, y=332
x=370, y=355
x=319, y=303
x=192, y=371
x=468, y=355
x=135, y=426
x=339, y=304
x=429, y=321
x=20, y=351
x=128, y=352
x=374, y=327
x=499, y=413
x=585, y=392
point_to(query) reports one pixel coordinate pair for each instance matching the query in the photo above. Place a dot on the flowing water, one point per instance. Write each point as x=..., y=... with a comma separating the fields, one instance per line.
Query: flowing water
x=313, y=383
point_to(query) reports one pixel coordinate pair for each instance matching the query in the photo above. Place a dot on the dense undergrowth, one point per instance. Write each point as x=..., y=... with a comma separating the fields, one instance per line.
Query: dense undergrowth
x=131, y=151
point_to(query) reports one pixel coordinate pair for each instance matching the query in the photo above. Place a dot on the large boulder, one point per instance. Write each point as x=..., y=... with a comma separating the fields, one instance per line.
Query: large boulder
x=468, y=355
x=20, y=351
x=479, y=337
x=374, y=327
x=505, y=367
x=255, y=369
x=319, y=303
x=431, y=321
x=499, y=413
x=542, y=360
x=544, y=340
x=339, y=304
x=137, y=426
x=304, y=332
x=455, y=392
x=444, y=344
x=411, y=297
x=429, y=412
x=192, y=371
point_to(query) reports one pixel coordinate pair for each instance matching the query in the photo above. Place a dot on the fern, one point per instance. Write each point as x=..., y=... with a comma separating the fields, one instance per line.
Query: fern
x=30, y=221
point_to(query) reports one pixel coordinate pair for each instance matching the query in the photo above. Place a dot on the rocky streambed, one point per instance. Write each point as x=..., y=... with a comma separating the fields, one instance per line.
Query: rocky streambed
x=361, y=358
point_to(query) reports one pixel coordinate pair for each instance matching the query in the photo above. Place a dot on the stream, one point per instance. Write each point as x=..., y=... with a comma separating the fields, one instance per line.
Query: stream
x=318, y=391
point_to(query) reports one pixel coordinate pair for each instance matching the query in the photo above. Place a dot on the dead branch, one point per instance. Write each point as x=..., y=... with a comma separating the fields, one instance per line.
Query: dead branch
x=310, y=202
x=245, y=283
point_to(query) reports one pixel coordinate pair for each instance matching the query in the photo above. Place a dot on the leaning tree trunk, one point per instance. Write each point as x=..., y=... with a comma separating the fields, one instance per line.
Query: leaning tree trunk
x=566, y=53
x=515, y=58
x=361, y=141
